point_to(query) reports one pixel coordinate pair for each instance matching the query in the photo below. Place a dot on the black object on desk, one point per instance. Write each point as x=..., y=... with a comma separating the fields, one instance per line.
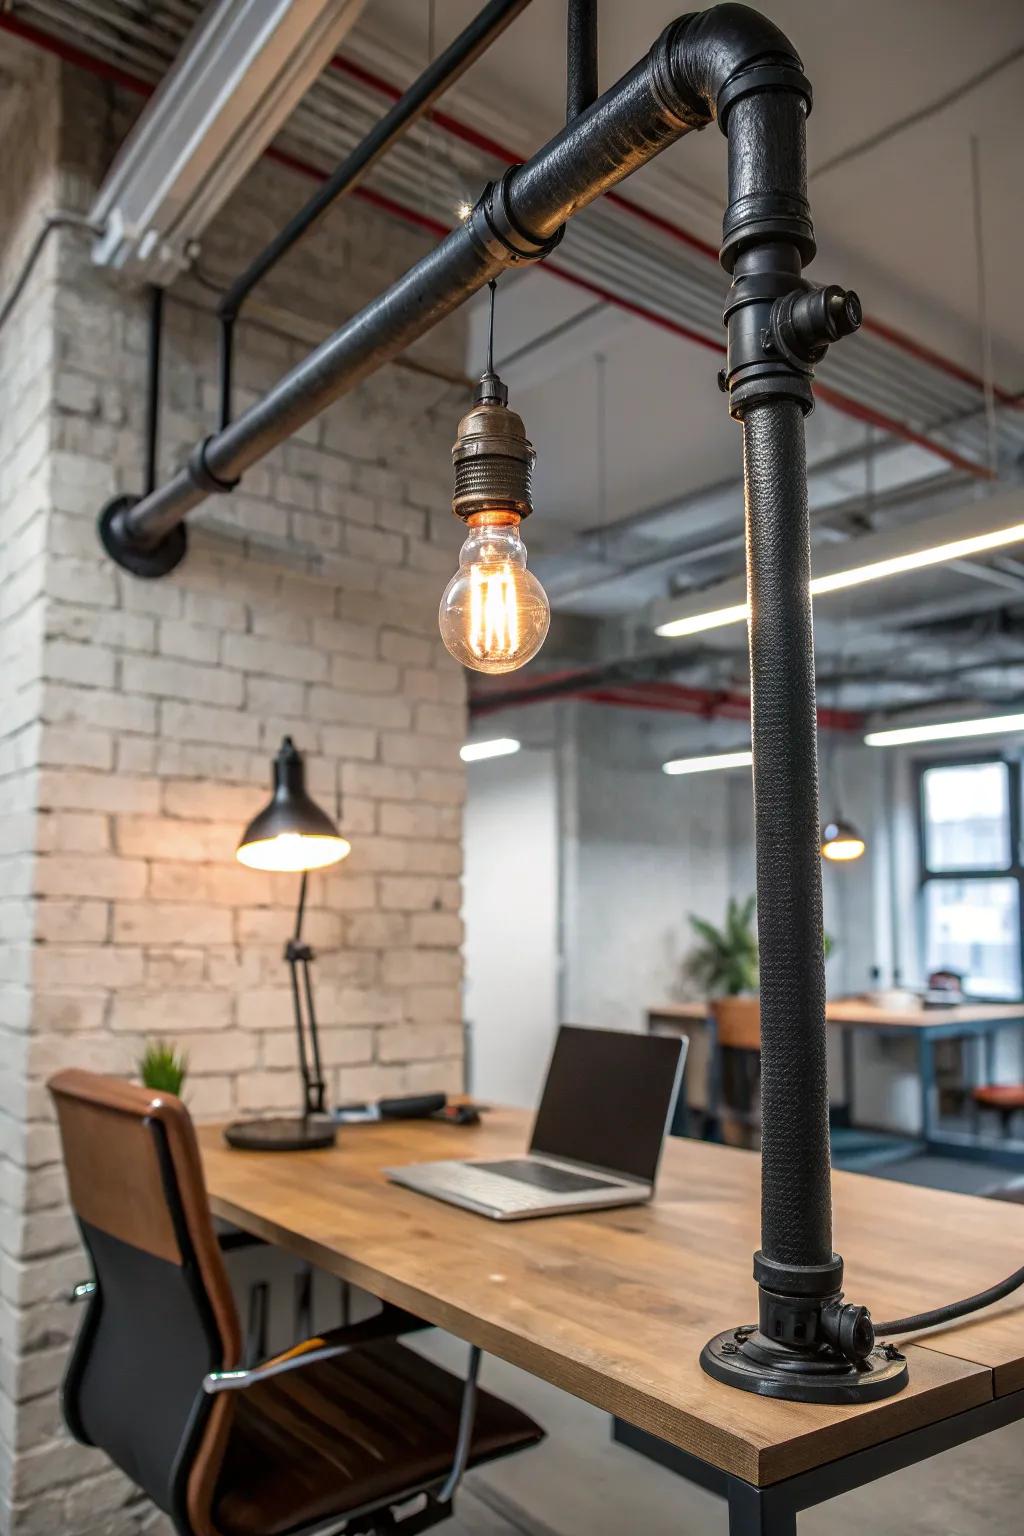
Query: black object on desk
x=293, y=833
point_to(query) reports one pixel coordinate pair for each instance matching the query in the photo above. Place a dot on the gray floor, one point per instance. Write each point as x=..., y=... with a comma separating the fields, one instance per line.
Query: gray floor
x=579, y=1484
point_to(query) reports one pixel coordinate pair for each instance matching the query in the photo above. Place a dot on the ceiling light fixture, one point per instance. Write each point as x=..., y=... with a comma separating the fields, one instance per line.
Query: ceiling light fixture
x=494, y=613
x=856, y=576
x=841, y=842
x=708, y=764
x=946, y=730
x=479, y=751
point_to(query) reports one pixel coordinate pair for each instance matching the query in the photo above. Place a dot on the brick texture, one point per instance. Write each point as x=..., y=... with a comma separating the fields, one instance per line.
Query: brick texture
x=139, y=720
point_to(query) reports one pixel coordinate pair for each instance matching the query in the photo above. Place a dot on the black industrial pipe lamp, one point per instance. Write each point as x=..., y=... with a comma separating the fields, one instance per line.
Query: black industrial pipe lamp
x=292, y=835
x=732, y=65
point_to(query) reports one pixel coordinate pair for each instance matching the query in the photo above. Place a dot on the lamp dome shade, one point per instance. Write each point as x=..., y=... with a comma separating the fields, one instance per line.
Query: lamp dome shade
x=841, y=842
x=292, y=833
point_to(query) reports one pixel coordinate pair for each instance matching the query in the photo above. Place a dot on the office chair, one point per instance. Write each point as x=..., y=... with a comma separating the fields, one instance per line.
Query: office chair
x=735, y=1075
x=334, y=1435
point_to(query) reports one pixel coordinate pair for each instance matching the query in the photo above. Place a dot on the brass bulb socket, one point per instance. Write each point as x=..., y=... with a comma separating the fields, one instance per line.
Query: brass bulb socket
x=493, y=460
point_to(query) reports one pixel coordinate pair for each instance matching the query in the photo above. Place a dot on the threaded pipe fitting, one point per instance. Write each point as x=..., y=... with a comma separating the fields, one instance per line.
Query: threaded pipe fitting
x=493, y=461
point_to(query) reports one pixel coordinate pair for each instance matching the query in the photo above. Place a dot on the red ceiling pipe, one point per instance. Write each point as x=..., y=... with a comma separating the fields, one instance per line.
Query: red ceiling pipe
x=674, y=698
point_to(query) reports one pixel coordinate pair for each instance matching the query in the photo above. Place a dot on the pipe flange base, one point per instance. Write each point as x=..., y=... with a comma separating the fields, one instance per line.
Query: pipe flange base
x=157, y=560
x=744, y=1358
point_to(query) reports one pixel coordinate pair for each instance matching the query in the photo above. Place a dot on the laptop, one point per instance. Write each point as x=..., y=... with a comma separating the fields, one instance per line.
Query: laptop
x=607, y=1104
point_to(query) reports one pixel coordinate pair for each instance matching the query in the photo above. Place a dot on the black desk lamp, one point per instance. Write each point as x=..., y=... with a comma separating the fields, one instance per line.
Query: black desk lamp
x=292, y=833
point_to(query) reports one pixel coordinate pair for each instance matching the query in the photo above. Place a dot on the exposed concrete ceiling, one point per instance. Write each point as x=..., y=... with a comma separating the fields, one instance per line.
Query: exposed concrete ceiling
x=895, y=219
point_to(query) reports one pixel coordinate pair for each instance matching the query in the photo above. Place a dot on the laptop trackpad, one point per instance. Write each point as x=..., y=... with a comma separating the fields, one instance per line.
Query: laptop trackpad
x=557, y=1181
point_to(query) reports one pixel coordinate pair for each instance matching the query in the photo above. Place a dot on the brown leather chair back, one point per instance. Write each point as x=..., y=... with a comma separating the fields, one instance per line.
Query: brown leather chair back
x=163, y=1314
x=737, y=1022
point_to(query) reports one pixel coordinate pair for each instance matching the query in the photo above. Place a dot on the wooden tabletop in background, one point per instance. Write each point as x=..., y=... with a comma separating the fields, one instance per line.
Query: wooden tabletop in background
x=862, y=1013
x=614, y=1306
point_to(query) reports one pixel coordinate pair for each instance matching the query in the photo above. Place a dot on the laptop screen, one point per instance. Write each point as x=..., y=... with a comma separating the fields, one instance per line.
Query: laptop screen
x=607, y=1099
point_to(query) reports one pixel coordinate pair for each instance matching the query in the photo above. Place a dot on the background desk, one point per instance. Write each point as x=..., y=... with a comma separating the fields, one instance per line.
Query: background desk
x=615, y=1306
x=925, y=1026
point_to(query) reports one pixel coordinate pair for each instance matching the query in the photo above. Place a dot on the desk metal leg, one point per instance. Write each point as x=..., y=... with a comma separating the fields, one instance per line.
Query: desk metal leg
x=847, y=1039
x=991, y=1038
x=926, y=1072
x=751, y=1515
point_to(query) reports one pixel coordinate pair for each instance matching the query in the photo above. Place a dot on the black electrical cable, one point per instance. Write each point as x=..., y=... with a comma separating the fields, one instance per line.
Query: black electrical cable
x=493, y=287
x=61, y=219
x=953, y=1309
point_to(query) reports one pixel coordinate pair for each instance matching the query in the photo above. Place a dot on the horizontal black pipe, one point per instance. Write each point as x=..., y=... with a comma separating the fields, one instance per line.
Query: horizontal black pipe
x=580, y=57
x=421, y=95
x=670, y=92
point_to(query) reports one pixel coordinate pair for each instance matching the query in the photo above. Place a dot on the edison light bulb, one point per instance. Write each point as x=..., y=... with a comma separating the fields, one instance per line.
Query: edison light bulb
x=494, y=614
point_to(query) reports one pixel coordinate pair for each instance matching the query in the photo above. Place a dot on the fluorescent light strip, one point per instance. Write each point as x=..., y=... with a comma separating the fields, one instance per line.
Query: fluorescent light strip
x=856, y=576
x=737, y=614
x=708, y=764
x=477, y=751
x=947, y=730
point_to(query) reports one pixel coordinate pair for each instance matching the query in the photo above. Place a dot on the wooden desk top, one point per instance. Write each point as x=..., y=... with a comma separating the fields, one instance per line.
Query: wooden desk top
x=615, y=1306
x=859, y=1012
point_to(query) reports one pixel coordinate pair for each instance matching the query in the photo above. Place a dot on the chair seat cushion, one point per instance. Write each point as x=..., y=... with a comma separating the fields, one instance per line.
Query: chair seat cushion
x=373, y=1424
x=1000, y=1095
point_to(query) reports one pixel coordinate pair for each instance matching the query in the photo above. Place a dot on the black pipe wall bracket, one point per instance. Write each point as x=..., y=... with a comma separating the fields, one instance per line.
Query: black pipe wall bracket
x=732, y=64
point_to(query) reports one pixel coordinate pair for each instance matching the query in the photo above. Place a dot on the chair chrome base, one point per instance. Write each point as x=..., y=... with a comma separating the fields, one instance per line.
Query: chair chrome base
x=295, y=1133
x=744, y=1358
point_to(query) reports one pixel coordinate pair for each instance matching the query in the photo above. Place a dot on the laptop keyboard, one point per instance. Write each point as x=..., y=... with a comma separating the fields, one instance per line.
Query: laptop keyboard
x=556, y=1181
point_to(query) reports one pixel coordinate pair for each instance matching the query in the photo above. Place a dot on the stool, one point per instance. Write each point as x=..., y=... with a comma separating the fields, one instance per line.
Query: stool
x=1005, y=1098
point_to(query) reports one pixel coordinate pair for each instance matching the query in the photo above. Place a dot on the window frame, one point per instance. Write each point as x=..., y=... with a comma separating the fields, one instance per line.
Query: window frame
x=1013, y=870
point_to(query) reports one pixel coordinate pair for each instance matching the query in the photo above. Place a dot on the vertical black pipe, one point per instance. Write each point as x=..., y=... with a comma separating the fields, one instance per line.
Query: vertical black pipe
x=796, y=1218
x=581, y=57
x=156, y=326
x=227, y=353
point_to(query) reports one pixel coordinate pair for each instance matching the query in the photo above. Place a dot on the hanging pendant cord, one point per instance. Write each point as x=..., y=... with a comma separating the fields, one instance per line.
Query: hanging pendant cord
x=493, y=286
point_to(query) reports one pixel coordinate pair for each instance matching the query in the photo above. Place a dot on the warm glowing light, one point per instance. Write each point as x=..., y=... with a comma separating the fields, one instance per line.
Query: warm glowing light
x=290, y=852
x=708, y=764
x=842, y=849
x=947, y=730
x=478, y=751
x=494, y=613
x=856, y=576
x=464, y=210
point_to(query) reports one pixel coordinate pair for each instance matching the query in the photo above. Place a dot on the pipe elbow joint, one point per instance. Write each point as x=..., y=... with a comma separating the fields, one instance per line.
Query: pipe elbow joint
x=705, y=61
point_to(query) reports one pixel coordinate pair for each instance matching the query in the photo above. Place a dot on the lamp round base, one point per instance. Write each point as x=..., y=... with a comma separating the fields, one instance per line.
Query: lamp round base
x=744, y=1358
x=293, y=1134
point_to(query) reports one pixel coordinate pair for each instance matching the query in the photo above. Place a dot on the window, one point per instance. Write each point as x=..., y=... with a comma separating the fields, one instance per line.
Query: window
x=971, y=874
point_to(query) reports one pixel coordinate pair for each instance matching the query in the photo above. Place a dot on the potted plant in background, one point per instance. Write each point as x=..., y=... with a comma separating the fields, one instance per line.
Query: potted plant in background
x=725, y=966
x=164, y=1067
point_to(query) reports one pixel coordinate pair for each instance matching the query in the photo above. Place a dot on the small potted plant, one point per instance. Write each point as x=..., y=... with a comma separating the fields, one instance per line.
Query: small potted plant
x=164, y=1067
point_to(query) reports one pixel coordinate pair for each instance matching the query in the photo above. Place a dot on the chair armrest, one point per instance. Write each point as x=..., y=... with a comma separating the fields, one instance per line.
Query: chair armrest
x=388, y=1323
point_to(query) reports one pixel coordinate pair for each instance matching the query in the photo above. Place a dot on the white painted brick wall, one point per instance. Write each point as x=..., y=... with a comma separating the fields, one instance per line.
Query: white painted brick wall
x=139, y=720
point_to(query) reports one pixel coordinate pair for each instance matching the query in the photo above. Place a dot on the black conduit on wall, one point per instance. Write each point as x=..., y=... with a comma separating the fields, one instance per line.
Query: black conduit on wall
x=443, y=71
